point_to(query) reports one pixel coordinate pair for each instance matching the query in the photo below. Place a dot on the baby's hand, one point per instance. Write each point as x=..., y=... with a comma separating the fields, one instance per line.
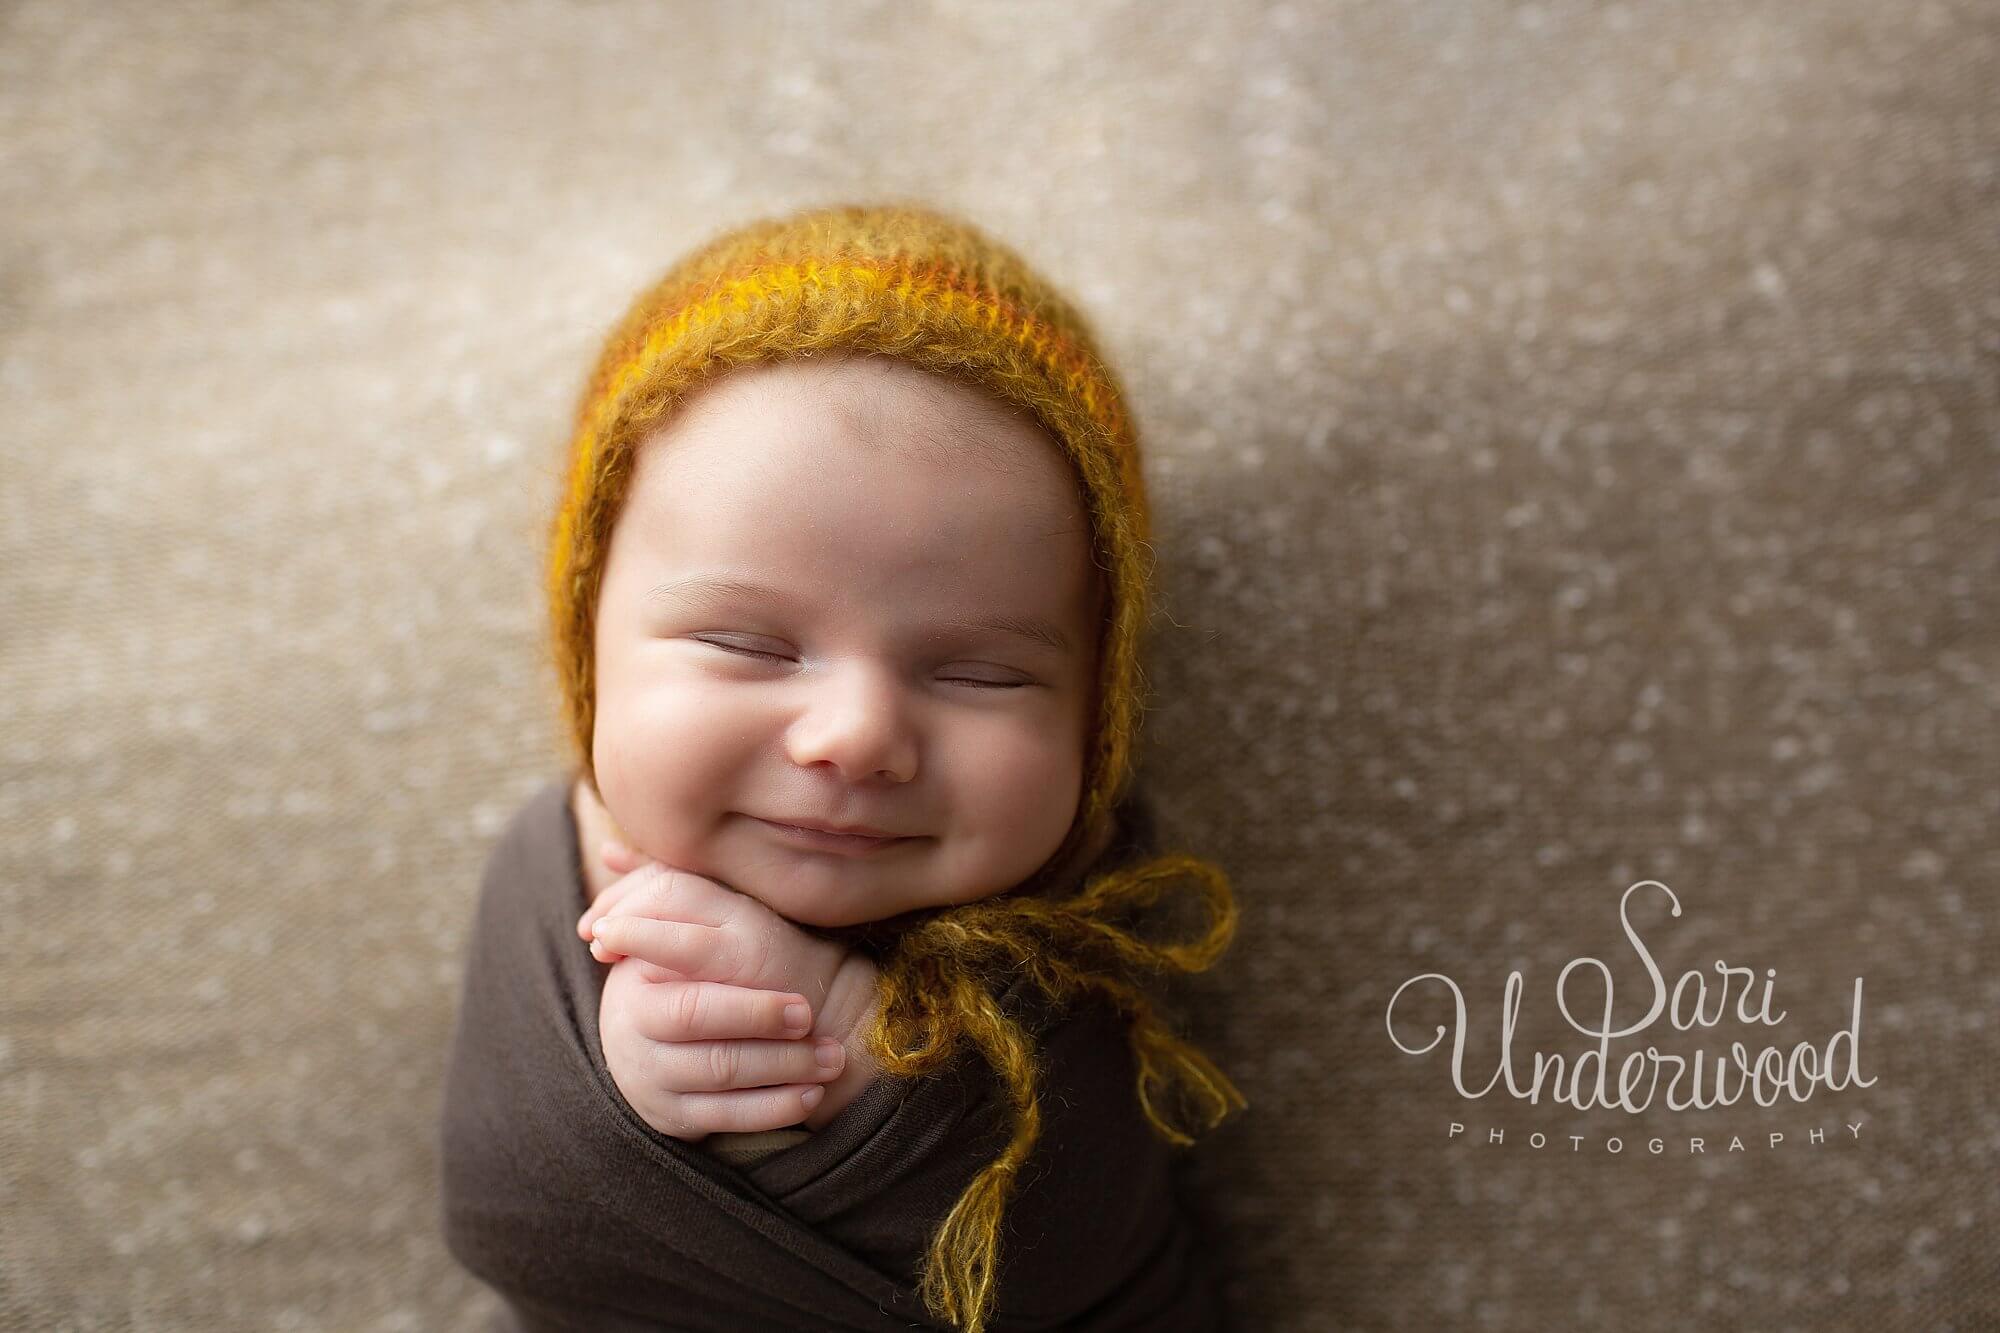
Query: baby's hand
x=716, y=1009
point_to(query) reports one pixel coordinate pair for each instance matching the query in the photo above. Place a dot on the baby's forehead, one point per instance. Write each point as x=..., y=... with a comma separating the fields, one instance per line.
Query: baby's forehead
x=949, y=419
x=812, y=445
x=718, y=523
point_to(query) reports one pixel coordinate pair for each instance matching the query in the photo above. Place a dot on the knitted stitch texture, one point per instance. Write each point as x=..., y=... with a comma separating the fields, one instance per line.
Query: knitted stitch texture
x=910, y=281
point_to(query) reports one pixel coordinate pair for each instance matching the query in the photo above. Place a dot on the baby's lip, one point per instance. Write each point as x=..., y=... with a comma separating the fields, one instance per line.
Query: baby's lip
x=836, y=844
x=846, y=830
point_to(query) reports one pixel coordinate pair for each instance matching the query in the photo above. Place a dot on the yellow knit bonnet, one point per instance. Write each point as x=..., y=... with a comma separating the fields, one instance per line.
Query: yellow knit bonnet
x=910, y=281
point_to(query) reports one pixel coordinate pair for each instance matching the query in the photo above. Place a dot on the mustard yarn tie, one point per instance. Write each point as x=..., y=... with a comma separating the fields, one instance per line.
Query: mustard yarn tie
x=932, y=1000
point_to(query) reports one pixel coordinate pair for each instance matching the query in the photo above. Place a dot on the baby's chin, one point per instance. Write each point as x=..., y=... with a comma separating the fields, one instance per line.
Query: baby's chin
x=831, y=911
x=834, y=909
x=829, y=894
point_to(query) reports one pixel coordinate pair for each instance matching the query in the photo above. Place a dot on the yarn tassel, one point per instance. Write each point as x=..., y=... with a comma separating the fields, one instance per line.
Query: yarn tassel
x=935, y=992
x=960, y=1278
x=1166, y=1063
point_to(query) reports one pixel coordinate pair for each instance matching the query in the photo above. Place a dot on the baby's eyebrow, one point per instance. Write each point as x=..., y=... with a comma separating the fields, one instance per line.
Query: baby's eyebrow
x=1033, y=628
x=709, y=589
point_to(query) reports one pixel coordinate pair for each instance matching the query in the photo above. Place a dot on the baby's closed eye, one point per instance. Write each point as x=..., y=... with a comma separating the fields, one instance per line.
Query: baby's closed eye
x=990, y=679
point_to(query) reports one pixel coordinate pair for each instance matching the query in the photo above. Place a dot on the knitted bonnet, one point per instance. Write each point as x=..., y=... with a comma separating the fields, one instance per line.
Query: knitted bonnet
x=910, y=281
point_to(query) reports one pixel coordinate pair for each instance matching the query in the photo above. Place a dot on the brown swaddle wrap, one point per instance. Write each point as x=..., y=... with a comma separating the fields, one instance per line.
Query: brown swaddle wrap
x=557, y=1194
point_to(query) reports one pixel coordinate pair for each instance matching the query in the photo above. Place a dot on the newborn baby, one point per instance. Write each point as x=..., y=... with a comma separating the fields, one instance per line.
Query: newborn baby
x=847, y=591
x=846, y=651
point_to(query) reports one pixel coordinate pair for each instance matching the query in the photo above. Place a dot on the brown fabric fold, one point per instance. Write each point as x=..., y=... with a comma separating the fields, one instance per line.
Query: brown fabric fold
x=559, y=1196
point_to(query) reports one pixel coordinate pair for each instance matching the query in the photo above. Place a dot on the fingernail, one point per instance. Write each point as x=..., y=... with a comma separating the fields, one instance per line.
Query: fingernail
x=810, y=1097
x=829, y=1055
x=797, y=1016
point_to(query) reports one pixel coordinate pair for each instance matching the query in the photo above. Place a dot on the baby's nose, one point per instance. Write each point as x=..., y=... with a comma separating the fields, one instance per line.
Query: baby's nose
x=860, y=723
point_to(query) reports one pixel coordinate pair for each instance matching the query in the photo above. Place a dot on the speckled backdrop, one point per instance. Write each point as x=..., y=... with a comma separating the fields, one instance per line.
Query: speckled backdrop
x=1576, y=440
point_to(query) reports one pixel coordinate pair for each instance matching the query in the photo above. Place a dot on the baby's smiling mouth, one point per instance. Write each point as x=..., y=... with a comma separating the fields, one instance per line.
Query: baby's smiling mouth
x=822, y=836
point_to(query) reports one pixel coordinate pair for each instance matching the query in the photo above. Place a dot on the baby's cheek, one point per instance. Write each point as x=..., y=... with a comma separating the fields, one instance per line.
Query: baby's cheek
x=1050, y=795
x=1023, y=792
x=650, y=746
x=617, y=781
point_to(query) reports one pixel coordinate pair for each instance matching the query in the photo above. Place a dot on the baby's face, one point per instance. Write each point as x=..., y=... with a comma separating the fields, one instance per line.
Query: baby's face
x=847, y=593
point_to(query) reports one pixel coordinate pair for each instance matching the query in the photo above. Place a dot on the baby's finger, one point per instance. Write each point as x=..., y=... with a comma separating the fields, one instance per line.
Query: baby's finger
x=669, y=891
x=745, y=1110
x=603, y=953
x=604, y=902
x=664, y=891
x=699, y=953
x=720, y=1066
x=710, y=1010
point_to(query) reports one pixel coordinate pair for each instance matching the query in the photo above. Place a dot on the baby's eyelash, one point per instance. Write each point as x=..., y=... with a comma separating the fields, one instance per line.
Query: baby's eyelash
x=747, y=652
x=776, y=657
